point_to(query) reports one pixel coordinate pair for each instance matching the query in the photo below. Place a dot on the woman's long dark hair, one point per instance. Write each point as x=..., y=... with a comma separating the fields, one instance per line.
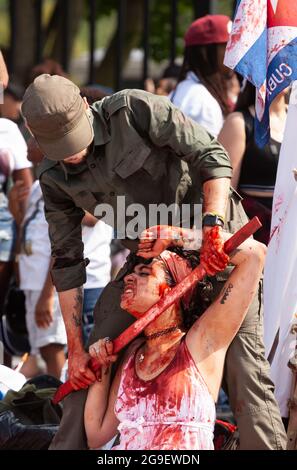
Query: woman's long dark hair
x=203, y=61
x=246, y=98
x=202, y=295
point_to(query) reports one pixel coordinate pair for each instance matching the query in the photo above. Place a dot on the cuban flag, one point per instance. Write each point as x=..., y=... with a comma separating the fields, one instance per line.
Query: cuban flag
x=263, y=49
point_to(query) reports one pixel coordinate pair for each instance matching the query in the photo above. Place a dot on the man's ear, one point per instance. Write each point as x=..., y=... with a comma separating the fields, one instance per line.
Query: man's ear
x=86, y=102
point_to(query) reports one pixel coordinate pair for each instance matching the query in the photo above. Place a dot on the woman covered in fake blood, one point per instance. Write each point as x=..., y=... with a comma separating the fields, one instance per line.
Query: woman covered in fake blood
x=163, y=395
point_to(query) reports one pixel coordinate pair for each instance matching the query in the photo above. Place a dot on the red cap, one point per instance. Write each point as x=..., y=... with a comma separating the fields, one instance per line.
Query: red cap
x=210, y=29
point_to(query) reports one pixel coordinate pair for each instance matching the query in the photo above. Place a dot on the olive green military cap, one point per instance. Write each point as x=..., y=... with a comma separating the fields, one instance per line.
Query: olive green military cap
x=57, y=116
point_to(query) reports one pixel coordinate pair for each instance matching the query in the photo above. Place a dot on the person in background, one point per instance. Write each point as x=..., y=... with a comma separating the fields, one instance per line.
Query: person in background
x=11, y=107
x=48, y=66
x=15, y=169
x=254, y=168
x=3, y=72
x=97, y=237
x=166, y=83
x=44, y=320
x=202, y=89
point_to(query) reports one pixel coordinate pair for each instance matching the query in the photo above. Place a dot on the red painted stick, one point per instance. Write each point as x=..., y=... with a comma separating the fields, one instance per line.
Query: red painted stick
x=175, y=294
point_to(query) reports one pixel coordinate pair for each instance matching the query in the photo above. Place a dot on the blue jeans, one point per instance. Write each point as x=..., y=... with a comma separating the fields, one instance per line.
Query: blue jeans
x=90, y=298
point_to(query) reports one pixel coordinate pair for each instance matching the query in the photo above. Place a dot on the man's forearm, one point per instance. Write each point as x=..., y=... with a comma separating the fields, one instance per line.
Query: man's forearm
x=215, y=195
x=71, y=302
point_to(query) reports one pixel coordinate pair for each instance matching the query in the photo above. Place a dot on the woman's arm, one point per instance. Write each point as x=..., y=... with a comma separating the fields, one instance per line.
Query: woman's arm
x=211, y=335
x=100, y=421
x=232, y=137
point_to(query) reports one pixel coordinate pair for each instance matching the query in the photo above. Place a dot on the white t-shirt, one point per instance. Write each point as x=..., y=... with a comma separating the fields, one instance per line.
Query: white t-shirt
x=97, y=241
x=34, y=267
x=194, y=99
x=13, y=149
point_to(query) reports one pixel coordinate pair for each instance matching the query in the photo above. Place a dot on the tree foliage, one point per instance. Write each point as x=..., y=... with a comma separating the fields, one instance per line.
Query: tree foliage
x=160, y=28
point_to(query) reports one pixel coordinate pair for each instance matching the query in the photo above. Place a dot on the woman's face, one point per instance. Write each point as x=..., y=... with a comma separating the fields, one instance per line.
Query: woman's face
x=143, y=288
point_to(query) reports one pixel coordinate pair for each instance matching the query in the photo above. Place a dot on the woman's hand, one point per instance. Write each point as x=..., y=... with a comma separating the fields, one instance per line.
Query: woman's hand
x=102, y=351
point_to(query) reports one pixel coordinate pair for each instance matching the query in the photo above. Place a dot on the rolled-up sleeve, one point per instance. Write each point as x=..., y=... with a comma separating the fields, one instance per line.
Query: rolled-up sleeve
x=64, y=220
x=166, y=126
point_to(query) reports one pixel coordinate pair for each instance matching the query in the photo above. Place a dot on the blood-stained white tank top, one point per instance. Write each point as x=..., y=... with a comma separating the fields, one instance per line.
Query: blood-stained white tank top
x=174, y=411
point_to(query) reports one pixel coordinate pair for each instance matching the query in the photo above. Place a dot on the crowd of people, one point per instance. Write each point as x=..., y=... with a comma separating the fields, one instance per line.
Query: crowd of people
x=65, y=150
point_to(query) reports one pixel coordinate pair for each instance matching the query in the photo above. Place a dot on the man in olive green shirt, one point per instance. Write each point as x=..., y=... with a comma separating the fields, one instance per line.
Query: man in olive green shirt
x=140, y=146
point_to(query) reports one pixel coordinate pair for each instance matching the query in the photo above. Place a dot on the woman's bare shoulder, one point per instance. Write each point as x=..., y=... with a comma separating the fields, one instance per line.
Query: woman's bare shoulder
x=234, y=127
x=235, y=119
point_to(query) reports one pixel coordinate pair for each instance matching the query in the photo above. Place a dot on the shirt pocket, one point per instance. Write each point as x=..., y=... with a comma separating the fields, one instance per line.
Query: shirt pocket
x=150, y=165
x=132, y=161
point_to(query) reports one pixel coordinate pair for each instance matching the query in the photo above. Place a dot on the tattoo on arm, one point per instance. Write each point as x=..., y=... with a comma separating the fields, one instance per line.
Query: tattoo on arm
x=76, y=315
x=76, y=320
x=226, y=293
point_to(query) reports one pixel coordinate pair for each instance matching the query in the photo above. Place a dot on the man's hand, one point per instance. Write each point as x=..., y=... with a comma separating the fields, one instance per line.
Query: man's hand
x=44, y=312
x=71, y=303
x=212, y=255
x=80, y=375
x=154, y=240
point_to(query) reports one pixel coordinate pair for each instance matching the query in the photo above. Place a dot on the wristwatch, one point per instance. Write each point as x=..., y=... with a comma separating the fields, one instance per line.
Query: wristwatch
x=210, y=220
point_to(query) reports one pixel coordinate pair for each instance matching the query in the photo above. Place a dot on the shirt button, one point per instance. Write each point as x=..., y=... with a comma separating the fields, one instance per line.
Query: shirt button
x=112, y=193
x=93, y=165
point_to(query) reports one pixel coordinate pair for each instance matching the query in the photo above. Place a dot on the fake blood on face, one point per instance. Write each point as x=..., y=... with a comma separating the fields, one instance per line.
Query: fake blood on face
x=162, y=288
x=135, y=313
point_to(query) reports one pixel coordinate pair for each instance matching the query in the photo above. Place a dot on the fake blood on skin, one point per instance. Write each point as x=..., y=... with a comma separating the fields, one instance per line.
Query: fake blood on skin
x=135, y=313
x=171, y=393
x=162, y=288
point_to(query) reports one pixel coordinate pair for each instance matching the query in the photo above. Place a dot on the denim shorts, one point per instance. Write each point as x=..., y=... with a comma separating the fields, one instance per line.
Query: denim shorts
x=90, y=298
x=7, y=231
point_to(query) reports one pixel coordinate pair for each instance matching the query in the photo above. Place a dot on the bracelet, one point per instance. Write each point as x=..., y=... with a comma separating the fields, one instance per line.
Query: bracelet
x=212, y=219
x=215, y=214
